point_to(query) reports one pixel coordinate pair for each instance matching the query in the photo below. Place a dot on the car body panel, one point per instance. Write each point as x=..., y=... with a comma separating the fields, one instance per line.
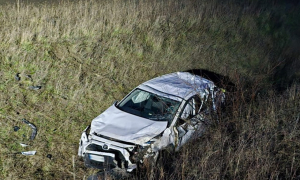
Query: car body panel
x=180, y=84
x=120, y=125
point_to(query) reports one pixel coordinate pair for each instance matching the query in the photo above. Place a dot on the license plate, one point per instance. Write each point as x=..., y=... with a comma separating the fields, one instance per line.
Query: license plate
x=96, y=158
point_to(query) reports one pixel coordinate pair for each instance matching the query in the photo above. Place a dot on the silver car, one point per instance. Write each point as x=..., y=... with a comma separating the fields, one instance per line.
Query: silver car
x=164, y=112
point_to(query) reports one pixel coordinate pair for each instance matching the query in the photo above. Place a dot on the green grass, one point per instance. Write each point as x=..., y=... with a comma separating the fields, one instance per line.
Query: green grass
x=87, y=54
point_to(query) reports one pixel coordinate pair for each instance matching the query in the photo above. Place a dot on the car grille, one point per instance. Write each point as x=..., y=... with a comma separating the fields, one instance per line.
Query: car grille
x=109, y=161
x=107, y=164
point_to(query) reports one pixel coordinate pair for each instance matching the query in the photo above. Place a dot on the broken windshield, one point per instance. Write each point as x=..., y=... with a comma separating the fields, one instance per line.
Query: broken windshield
x=149, y=105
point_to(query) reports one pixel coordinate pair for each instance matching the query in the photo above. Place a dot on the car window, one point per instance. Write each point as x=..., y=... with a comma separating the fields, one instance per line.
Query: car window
x=140, y=96
x=149, y=105
x=192, y=108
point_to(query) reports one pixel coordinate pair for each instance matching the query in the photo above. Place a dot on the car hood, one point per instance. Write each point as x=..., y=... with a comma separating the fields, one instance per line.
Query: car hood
x=123, y=126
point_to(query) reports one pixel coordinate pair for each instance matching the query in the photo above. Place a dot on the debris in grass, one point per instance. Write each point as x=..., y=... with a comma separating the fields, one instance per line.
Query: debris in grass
x=28, y=153
x=17, y=77
x=23, y=145
x=16, y=128
x=33, y=127
x=35, y=87
x=29, y=77
x=49, y=156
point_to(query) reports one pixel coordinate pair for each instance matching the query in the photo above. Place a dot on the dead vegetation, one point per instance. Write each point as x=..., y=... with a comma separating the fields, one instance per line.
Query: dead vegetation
x=86, y=54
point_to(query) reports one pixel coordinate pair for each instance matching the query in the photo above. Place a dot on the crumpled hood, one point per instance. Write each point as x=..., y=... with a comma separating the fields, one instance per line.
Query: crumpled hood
x=123, y=126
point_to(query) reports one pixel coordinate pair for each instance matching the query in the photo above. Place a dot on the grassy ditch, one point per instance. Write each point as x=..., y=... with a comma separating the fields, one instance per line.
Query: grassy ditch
x=86, y=54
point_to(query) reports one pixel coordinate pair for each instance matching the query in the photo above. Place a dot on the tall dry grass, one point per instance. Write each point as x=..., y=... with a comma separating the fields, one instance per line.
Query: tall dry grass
x=86, y=54
x=258, y=142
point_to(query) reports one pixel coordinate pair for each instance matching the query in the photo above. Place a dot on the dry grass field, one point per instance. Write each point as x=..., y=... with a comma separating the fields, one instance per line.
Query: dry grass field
x=86, y=54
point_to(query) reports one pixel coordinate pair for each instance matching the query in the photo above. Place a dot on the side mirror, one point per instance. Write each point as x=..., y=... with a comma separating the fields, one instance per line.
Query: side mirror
x=115, y=102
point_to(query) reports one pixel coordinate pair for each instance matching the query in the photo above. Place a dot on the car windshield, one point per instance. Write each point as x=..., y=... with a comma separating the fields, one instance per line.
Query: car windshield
x=149, y=105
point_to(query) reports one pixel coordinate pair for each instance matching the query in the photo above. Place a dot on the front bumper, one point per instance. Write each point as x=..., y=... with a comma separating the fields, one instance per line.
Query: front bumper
x=102, y=153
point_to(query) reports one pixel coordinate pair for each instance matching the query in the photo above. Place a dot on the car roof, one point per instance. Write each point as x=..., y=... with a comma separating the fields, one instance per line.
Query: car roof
x=179, y=84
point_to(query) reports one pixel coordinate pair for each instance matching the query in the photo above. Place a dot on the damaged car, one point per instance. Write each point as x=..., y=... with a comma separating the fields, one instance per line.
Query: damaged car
x=164, y=112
